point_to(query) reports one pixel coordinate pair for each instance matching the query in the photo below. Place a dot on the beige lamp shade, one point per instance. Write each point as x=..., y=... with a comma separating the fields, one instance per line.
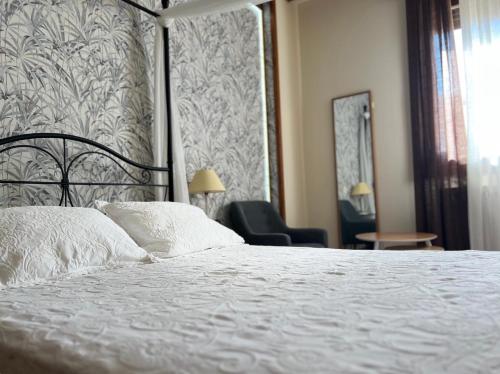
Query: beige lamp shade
x=361, y=189
x=206, y=181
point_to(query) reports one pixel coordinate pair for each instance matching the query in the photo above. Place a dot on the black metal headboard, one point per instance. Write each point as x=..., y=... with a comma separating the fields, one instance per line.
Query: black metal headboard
x=65, y=163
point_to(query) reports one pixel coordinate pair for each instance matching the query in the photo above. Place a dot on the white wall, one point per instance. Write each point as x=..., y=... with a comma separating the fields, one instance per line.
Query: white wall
x=329, y=48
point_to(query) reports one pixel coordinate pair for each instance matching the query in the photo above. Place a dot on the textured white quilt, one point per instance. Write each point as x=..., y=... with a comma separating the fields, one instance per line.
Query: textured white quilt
x=258, y=309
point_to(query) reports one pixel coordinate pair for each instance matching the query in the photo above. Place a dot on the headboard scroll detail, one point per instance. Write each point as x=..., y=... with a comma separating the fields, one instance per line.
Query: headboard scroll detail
x=66, y=164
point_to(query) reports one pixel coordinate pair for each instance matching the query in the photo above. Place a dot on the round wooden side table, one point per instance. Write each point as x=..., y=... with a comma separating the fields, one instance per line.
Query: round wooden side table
x=381, y=238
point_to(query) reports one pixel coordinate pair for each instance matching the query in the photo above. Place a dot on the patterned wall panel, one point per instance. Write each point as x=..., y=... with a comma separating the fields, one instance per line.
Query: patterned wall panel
x=85, y=68
x=78, y=67
x=217, y=77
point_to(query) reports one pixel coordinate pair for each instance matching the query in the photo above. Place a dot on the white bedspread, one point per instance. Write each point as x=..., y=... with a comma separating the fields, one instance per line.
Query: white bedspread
x=257, y=309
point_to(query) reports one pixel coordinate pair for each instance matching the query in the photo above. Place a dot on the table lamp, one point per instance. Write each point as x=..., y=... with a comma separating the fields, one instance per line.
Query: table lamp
x=206, y=181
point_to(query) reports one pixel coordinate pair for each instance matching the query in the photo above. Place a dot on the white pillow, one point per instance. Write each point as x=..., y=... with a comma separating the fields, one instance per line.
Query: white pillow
x=169, y=229
x=39, y=243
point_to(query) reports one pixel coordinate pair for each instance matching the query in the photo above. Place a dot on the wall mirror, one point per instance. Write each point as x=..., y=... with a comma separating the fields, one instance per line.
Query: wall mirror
x=354, y=163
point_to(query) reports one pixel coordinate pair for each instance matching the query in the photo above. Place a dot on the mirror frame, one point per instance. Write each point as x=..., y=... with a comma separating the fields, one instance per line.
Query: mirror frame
x=375, y=175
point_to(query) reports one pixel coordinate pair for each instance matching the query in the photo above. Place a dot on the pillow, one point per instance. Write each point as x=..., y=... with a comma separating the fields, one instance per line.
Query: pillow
x=169, y=229
x=39, y=243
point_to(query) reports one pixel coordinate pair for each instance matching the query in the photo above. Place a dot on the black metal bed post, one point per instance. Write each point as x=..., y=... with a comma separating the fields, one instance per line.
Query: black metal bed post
x=168, y=95
x=65, y=179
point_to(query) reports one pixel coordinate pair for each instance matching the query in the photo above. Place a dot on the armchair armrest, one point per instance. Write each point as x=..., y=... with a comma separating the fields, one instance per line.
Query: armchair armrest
x=277, y=239
x=309, y=236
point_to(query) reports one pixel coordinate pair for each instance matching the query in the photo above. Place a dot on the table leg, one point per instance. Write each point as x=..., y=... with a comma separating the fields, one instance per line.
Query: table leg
x=376, y=246
x=428, y=243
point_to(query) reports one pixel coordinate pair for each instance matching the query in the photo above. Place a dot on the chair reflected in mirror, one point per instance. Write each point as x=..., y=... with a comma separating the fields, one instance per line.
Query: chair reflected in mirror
x=353, y=223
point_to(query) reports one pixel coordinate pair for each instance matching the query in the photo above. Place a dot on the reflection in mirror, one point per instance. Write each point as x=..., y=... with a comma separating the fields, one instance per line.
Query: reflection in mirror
x=352, y=122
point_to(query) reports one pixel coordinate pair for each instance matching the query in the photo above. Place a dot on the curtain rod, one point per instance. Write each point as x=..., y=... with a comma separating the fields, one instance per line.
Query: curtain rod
x=140, y=7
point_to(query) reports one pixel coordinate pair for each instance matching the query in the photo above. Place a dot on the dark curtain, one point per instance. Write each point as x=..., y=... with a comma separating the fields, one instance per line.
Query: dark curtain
x=438, y=129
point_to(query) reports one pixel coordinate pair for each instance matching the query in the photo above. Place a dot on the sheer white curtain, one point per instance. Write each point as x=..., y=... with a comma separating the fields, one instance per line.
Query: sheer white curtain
x=481, y=39
x=160, y=144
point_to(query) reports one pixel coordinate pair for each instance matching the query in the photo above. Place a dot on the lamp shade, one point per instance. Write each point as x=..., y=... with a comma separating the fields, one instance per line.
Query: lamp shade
x=361, y=189
x=206, y=181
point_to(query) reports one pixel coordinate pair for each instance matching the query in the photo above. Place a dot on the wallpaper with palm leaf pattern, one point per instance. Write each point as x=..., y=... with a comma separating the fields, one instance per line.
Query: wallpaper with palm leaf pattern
x=217, y=71
x=84, y=67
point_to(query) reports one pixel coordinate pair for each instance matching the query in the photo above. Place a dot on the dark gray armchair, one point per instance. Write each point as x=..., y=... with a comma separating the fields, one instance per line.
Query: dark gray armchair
x=259, y=224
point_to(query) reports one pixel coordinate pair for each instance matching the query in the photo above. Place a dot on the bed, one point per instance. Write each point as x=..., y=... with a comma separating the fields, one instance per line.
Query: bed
x=213, y=304
x=263, y=309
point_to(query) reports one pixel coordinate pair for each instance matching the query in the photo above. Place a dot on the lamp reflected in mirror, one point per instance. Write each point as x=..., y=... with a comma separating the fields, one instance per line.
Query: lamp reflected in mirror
x=362, y=192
